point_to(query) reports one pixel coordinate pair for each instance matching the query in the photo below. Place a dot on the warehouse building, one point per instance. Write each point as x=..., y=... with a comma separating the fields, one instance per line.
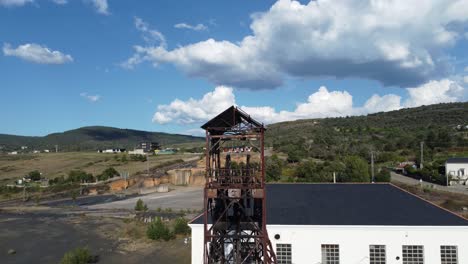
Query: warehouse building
x=457, y=170
x=355, y=224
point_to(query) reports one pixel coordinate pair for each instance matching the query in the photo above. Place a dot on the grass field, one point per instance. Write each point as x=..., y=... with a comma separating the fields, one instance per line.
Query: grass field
x=52, y=165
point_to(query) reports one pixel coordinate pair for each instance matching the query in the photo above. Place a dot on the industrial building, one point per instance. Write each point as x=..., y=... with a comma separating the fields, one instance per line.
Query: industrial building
x=457, y=170
x=354, y=224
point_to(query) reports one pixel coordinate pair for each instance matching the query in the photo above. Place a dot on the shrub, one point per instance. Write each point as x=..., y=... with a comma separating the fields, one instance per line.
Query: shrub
x=34, y=175
x=141, y=206
x=383, y=175
x=157, y=230
x=77, y=256
x=79, y=176
x=138, y=157
x=108, y=173
x=181, y=227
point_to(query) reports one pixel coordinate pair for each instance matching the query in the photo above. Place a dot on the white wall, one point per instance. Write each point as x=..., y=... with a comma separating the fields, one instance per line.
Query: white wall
x=452, y=169
x=354, y=242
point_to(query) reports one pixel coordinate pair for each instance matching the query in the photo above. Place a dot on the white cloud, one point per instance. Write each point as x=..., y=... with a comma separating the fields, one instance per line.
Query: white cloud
x=320, y=104
x=91, y=98
x=466, y=68
x=101, y=6
x=14, y=2
x=197, y=27
x=434, y=92
x=151, y=37
x=465, y=79
x=384, y=103
x=192, y=110
x=395, y=42
x=37, y=53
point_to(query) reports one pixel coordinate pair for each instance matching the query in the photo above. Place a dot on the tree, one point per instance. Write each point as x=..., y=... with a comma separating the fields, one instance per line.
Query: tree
x=356, y=170
x=383, y=175
x=108, y=173
x=141, y=206
x=80, y=176
x=273, y=168
x=34, y=175
x=181, y=227
x=158, y=230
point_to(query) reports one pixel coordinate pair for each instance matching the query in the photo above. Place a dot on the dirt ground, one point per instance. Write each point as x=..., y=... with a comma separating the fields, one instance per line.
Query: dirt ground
x=44, y=237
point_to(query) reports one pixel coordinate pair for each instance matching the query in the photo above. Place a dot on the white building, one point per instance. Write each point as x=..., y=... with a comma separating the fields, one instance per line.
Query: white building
x=457, y=170
x=356, y=224
x=137, y=152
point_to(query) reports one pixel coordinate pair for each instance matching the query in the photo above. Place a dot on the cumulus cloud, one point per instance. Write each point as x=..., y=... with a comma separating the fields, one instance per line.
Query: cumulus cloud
x=395, y=42
x=192, y=110
x=91, y=98
x=465, y=79
x=197, y=27
x=101, y=6
x=14, y=2
x=434, y=92
x=320, y=104
x=37, y=54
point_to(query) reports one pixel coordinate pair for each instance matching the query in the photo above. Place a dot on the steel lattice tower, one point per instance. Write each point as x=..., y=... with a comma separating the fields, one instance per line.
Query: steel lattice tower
x=234, y=195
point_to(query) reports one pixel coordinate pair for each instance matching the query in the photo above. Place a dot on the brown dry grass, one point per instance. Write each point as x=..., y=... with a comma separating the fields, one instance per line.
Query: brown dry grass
x=56, y=164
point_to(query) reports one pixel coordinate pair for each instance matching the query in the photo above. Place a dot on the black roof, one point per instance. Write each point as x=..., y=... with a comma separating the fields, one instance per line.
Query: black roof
x=351, y=204
x=457, y=160
x=230, y=118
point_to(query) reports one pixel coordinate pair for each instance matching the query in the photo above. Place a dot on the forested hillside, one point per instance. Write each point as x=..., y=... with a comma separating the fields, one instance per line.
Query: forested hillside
x=322, y=146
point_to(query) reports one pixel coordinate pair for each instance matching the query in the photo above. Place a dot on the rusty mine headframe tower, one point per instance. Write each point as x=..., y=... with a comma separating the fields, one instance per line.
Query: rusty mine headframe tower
x=234, y=196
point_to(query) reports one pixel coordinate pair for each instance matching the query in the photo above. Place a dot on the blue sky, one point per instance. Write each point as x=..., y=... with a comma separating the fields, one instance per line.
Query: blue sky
x=67, y=64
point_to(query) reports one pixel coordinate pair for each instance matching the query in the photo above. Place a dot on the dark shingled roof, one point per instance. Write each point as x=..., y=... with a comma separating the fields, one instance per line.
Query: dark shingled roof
x=457, y=160
x=351, y=204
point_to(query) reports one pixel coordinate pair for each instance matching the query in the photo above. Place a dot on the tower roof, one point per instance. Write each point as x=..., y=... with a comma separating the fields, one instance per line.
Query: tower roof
x=230, y=118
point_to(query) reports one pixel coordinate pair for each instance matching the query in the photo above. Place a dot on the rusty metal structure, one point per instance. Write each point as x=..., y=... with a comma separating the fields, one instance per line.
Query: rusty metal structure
x=234, y=196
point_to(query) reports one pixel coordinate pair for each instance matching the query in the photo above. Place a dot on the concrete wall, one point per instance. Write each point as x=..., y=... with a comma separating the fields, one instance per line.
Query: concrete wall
x=354, y=242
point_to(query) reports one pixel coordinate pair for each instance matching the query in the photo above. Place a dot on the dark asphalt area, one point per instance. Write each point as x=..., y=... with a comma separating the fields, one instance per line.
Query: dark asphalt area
x=46, y=237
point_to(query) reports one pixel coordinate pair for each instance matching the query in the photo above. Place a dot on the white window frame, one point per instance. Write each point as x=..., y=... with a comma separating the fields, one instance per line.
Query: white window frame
x=413, y=254
x=330, y=254
x=284, y=253
x=448, y=254
x=377, y=254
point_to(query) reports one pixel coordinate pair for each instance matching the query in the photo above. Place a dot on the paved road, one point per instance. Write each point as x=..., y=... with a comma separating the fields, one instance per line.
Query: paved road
x=180, y=198
x=463, y=189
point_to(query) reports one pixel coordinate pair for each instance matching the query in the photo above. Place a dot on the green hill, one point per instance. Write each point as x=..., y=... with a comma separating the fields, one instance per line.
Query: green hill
x=442, y=127
x=93, y=138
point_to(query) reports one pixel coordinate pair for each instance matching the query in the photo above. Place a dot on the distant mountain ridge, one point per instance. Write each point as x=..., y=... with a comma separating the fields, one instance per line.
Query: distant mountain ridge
x=93, y=138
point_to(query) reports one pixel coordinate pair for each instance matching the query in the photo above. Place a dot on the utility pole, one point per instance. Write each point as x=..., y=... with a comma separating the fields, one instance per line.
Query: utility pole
x=56, y=148
x=422, y=155
x=372, y=166
x=147, y=164
x=334, y=177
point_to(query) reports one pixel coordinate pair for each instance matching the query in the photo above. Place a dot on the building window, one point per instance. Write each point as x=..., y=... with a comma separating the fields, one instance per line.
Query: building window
x=413, y=255
x=377, y=254
x=330, y=254
x=449, y=254
x=283, y=253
